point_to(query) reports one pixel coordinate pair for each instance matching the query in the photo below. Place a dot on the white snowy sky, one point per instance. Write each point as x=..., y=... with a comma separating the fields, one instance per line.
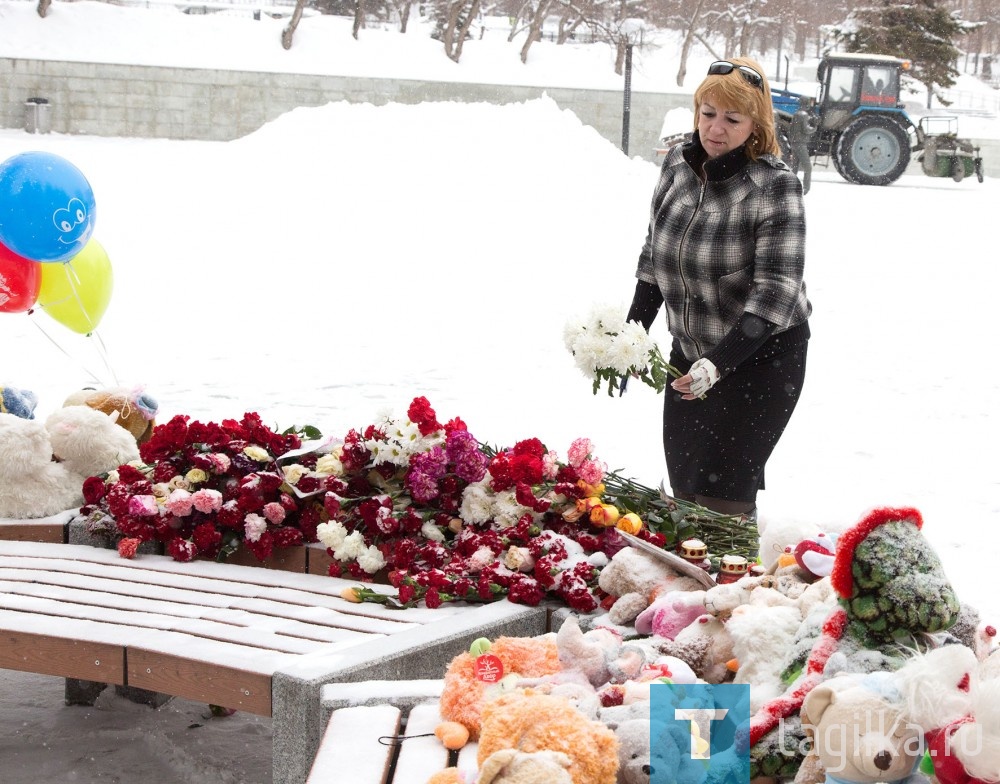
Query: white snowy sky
x=344, y=259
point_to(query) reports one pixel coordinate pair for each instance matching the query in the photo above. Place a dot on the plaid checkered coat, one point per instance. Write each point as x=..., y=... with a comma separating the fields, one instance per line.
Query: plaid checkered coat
x=734, y=243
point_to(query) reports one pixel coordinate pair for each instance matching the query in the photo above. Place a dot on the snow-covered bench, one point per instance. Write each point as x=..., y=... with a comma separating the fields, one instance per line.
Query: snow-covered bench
x=257, y=640
x=359, y=720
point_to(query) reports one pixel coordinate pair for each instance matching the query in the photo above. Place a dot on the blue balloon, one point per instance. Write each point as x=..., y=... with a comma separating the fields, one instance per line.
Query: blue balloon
x=47, y=209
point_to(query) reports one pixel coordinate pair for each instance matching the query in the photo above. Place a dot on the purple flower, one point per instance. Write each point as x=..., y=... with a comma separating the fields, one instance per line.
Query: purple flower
x=463, y=452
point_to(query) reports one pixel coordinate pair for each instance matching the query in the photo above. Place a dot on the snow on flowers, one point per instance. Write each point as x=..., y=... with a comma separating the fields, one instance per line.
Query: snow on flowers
x=608, y=348
x=407, y=499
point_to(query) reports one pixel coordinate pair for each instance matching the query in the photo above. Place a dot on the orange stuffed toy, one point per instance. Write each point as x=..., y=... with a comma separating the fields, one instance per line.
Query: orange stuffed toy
x=467, y=687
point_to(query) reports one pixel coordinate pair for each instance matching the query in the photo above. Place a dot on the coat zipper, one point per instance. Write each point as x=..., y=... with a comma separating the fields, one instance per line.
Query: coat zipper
x=680, y=269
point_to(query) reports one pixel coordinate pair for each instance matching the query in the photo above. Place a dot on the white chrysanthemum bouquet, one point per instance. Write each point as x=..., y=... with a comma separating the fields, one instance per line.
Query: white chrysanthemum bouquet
x=608, y=348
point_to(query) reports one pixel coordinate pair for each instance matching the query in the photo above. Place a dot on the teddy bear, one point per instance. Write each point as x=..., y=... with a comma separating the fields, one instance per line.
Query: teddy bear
x=633, y=579
x=530, y=721
x=511, y=766
x=43, y=465
x=19, y=402
x=859, y=731
x=132, y=409
x=706, y=645
x=598, y=654
x=489, y=669
x=669, y=613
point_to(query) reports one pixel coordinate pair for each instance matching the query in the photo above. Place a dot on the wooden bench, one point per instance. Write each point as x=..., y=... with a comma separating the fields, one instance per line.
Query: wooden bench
x=360, y=717
x=44, y=529
x=257, y=640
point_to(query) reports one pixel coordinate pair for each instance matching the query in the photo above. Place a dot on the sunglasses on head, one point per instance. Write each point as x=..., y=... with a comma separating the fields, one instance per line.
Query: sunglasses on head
x=748, y=73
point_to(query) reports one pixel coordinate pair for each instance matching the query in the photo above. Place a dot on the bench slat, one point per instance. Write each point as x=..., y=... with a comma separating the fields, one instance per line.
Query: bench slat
x=48, y=655
x=320, y=627
x=208, y=682
x=33, y=532
x=349, y=751
x=420, y=758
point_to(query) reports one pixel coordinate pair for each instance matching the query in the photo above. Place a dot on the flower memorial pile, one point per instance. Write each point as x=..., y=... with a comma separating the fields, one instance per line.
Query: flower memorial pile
x=608, y=349
x=420, y=504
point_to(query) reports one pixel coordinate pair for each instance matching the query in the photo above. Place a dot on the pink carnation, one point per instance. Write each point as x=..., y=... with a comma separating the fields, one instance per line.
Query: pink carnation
x=550, y=465
x=254, y=525
x=142, y=506
x=274, y=512
x=207, y=501
x=591, y=471
x=579, y=451
x=179, y=503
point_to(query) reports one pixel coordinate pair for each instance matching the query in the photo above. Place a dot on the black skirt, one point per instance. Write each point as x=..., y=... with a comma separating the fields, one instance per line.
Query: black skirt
x=718, y=446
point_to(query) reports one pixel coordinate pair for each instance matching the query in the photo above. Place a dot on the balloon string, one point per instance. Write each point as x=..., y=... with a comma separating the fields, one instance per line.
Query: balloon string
x=103, y=351
x=73, y=280
x=86, y=370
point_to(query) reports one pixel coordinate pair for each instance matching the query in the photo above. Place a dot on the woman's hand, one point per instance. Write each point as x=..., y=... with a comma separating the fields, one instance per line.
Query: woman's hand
x=697, y=381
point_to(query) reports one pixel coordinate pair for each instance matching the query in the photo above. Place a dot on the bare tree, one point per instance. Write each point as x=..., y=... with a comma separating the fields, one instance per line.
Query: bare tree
x=359, y=18
x=689, y=37
x=536, y=10
x=293, y=22
x=455, y=17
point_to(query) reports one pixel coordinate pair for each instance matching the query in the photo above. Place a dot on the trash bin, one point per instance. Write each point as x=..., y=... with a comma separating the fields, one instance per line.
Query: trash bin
x=36, y=115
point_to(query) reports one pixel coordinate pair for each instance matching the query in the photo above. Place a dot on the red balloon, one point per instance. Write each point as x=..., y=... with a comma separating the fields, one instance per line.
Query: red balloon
x=20, y=280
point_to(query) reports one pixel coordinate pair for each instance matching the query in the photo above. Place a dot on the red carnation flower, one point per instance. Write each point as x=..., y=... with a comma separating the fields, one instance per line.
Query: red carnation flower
x=421, y=414
x=94, y=489
x=181, y=550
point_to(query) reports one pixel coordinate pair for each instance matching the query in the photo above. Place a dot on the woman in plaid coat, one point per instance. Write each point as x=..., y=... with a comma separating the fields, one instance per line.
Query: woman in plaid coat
x=724, y=255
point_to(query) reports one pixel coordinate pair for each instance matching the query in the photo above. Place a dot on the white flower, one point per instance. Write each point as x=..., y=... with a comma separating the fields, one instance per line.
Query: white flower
x=477, y=502
x=432, y=532
x=352, y=547
x=519, y=559
x=330, y=463
x=371, y=560
x=294, y=472
x=506, y=510
x=256, y=453
x=331, y=534
x=480, y=559
x=254, y=525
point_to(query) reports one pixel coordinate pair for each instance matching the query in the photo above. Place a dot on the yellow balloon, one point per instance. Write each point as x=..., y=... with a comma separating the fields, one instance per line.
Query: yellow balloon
x=76, y=293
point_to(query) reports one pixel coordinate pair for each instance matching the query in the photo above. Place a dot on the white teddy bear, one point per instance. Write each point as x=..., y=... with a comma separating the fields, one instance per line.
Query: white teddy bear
x=43, y=466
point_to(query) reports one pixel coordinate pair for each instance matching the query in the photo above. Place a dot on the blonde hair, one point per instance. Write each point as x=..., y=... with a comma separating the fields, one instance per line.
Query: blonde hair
x=734, y=92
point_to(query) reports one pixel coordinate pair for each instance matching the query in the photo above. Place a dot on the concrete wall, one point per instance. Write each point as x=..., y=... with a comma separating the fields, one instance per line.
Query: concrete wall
x=180, y=103
x=183, y=103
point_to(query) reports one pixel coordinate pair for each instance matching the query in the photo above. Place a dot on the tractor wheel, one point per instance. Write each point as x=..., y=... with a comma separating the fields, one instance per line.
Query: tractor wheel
x=873, y=150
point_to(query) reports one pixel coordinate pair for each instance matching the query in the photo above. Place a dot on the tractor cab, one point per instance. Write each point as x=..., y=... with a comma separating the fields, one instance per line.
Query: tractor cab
x=850, y=83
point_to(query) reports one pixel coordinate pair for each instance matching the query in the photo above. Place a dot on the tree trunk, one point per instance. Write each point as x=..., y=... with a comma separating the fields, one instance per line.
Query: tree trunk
x=288, y=32
x=686, y=46
x=448, y=34
x=359, y=17
x=43, y=7
x=464, y=30
x=535, y=28
x=404, y=16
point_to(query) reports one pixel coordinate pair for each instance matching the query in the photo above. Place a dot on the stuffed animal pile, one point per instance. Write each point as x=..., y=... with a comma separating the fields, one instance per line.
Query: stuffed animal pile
x=43, y=464
x=861, y=661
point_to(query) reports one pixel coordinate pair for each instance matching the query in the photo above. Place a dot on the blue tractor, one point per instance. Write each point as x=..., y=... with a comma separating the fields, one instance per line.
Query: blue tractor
x=859, y=124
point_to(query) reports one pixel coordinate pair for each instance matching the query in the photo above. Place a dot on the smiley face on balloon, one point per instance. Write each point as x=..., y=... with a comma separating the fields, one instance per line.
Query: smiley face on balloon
x=71, y=221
